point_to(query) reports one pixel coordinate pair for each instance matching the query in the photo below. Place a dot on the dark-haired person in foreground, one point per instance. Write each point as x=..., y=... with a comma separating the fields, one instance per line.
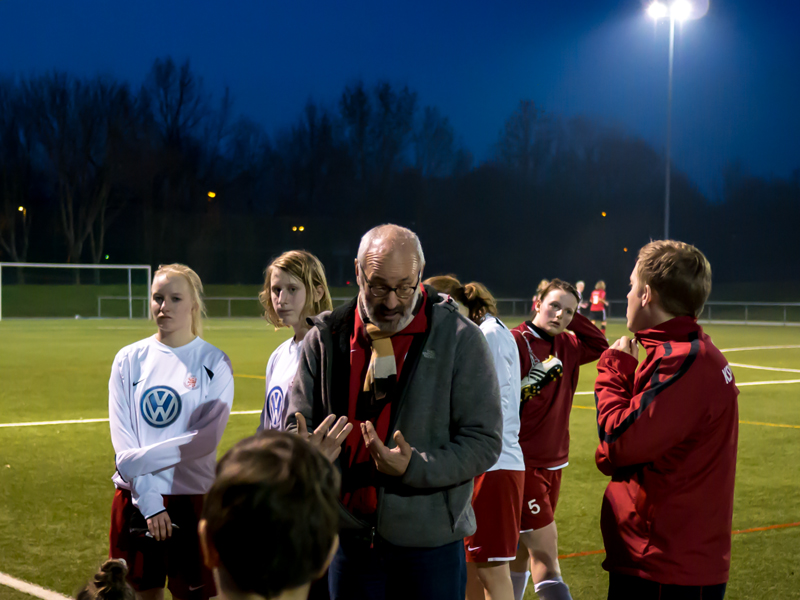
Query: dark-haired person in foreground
x=270, y=520
x=409, y=372
x=109, y=583
x=668, y=435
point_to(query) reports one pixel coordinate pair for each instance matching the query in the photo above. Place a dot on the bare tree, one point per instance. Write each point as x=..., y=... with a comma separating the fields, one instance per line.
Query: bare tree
x=434, y=145
x=391, y=130
x=75, y=121
x=356, y=113
x=521, y=144
x=180, y=116
x=16, y=175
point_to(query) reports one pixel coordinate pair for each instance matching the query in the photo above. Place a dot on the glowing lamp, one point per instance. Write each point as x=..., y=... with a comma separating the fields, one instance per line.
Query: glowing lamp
x=680, y=10
x=657, y=10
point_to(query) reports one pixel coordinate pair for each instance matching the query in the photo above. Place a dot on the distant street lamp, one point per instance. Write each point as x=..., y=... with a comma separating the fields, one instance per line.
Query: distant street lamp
x=212, y=194
x=24, y=212
x=680, y=10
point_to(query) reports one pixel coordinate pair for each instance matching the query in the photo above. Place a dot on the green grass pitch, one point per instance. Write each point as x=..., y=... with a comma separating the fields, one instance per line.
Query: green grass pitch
x=55, y=487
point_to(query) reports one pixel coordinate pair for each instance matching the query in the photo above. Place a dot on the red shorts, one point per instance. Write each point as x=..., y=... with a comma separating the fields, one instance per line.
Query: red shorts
x=539, y=498
x=497, y=502
x=152, y=563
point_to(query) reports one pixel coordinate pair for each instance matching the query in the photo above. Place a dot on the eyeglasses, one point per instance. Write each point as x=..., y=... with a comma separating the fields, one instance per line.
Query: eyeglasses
x=404, y=292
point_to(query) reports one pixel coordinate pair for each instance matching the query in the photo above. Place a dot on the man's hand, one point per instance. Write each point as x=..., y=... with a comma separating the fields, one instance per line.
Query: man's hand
x=392, y=462
x=627, y=345
x=327, y=442
x=160, y=526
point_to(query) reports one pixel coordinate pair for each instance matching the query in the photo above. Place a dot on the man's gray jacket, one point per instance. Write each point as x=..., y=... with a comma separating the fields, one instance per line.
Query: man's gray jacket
x=447, y=407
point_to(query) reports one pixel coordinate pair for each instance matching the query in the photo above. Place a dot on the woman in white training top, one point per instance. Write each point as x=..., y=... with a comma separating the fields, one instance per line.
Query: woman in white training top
x=170, y=396
x=497, y=495
x=295, y=289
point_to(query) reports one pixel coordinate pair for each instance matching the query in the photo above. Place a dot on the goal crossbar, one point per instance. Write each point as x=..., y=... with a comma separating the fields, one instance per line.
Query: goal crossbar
x=128, y=268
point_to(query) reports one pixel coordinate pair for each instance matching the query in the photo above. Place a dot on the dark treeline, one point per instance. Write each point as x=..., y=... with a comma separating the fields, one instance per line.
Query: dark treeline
x=101, y=168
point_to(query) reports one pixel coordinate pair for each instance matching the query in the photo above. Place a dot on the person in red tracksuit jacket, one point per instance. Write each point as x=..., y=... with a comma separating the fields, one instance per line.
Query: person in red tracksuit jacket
x=668, y=437
x=552, y=347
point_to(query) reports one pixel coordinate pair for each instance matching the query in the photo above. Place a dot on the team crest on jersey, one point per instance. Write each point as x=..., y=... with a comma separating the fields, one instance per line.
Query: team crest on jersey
x=161, y=405
x=191, y=382
x=275, y=400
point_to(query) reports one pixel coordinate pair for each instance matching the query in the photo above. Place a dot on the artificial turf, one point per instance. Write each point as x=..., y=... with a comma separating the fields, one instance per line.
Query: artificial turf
x=55, y=486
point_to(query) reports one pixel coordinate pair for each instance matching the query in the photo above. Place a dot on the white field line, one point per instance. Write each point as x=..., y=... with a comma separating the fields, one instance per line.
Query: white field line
x=80, y=421
x=30, y=589
x=764, y=368
x=767, y=382
x=760, y=348
x=778, y=382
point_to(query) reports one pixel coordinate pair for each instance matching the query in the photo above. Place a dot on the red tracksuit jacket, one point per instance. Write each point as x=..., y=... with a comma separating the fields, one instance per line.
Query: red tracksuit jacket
x=668, y=435
x=544, y=419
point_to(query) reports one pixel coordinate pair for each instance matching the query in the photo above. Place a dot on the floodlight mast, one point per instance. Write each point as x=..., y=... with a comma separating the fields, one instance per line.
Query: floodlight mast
x=680, y=10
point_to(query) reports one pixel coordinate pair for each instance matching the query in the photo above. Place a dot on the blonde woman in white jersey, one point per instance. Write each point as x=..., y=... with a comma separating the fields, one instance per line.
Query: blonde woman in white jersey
x=497, y=495
x=170, y=396
x=295, y=289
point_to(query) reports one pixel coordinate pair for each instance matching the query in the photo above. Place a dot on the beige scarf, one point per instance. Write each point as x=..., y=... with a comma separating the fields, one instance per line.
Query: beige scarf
x=382, y=371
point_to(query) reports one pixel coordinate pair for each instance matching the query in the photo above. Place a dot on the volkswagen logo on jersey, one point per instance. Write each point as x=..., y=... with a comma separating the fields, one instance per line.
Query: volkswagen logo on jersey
x=161, y=405
x=275, y=400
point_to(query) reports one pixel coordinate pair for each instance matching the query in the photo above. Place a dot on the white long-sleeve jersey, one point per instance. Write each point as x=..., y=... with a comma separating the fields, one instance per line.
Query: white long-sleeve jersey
x=281, y=369
x=506, y=363
x=168, y=408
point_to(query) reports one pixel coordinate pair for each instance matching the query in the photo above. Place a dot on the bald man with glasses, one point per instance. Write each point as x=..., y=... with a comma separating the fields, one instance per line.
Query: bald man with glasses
x=399, y=388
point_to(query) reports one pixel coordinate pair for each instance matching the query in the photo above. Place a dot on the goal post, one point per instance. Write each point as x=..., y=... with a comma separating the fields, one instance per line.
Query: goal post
x=129, y=268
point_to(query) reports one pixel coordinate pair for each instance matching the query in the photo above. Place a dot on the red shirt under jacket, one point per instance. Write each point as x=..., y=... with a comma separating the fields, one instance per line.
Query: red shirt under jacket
x=358, y=488
x=544, y=420
x=668, y=436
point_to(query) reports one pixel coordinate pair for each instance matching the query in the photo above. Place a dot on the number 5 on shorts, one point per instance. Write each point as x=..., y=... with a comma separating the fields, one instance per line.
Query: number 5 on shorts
x=535, y=508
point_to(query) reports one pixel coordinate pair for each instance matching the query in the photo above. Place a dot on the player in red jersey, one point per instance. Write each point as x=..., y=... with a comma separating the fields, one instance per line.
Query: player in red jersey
x=552, y=347
x=598, y=305
x=668, y=434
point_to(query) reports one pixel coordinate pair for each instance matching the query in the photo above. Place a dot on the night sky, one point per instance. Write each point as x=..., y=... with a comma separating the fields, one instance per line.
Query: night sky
x=737, y=70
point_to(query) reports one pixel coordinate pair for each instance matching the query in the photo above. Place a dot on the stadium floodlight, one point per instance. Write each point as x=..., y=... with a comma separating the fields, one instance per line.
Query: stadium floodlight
x=129, y=268
x=680, y=10
x=657, y=10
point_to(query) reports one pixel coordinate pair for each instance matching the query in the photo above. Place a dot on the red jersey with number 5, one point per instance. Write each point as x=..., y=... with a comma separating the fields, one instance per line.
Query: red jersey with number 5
x=544, y=418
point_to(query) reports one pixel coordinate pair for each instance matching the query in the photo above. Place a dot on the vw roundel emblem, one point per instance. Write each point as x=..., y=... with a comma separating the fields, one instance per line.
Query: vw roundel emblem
x=275, y=400
x=161, y=405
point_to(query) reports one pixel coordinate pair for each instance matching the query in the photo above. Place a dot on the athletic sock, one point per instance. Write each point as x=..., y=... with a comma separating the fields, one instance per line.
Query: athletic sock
x=553, y=589
x=519, y=581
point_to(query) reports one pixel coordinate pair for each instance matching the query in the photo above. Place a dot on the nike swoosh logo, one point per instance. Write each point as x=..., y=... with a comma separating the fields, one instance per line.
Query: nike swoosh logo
x=191, y=589
x=135, y=383
x=471, y=549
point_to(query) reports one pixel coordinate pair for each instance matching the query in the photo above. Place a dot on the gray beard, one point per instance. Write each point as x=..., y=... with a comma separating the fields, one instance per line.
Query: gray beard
x=404, y=322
